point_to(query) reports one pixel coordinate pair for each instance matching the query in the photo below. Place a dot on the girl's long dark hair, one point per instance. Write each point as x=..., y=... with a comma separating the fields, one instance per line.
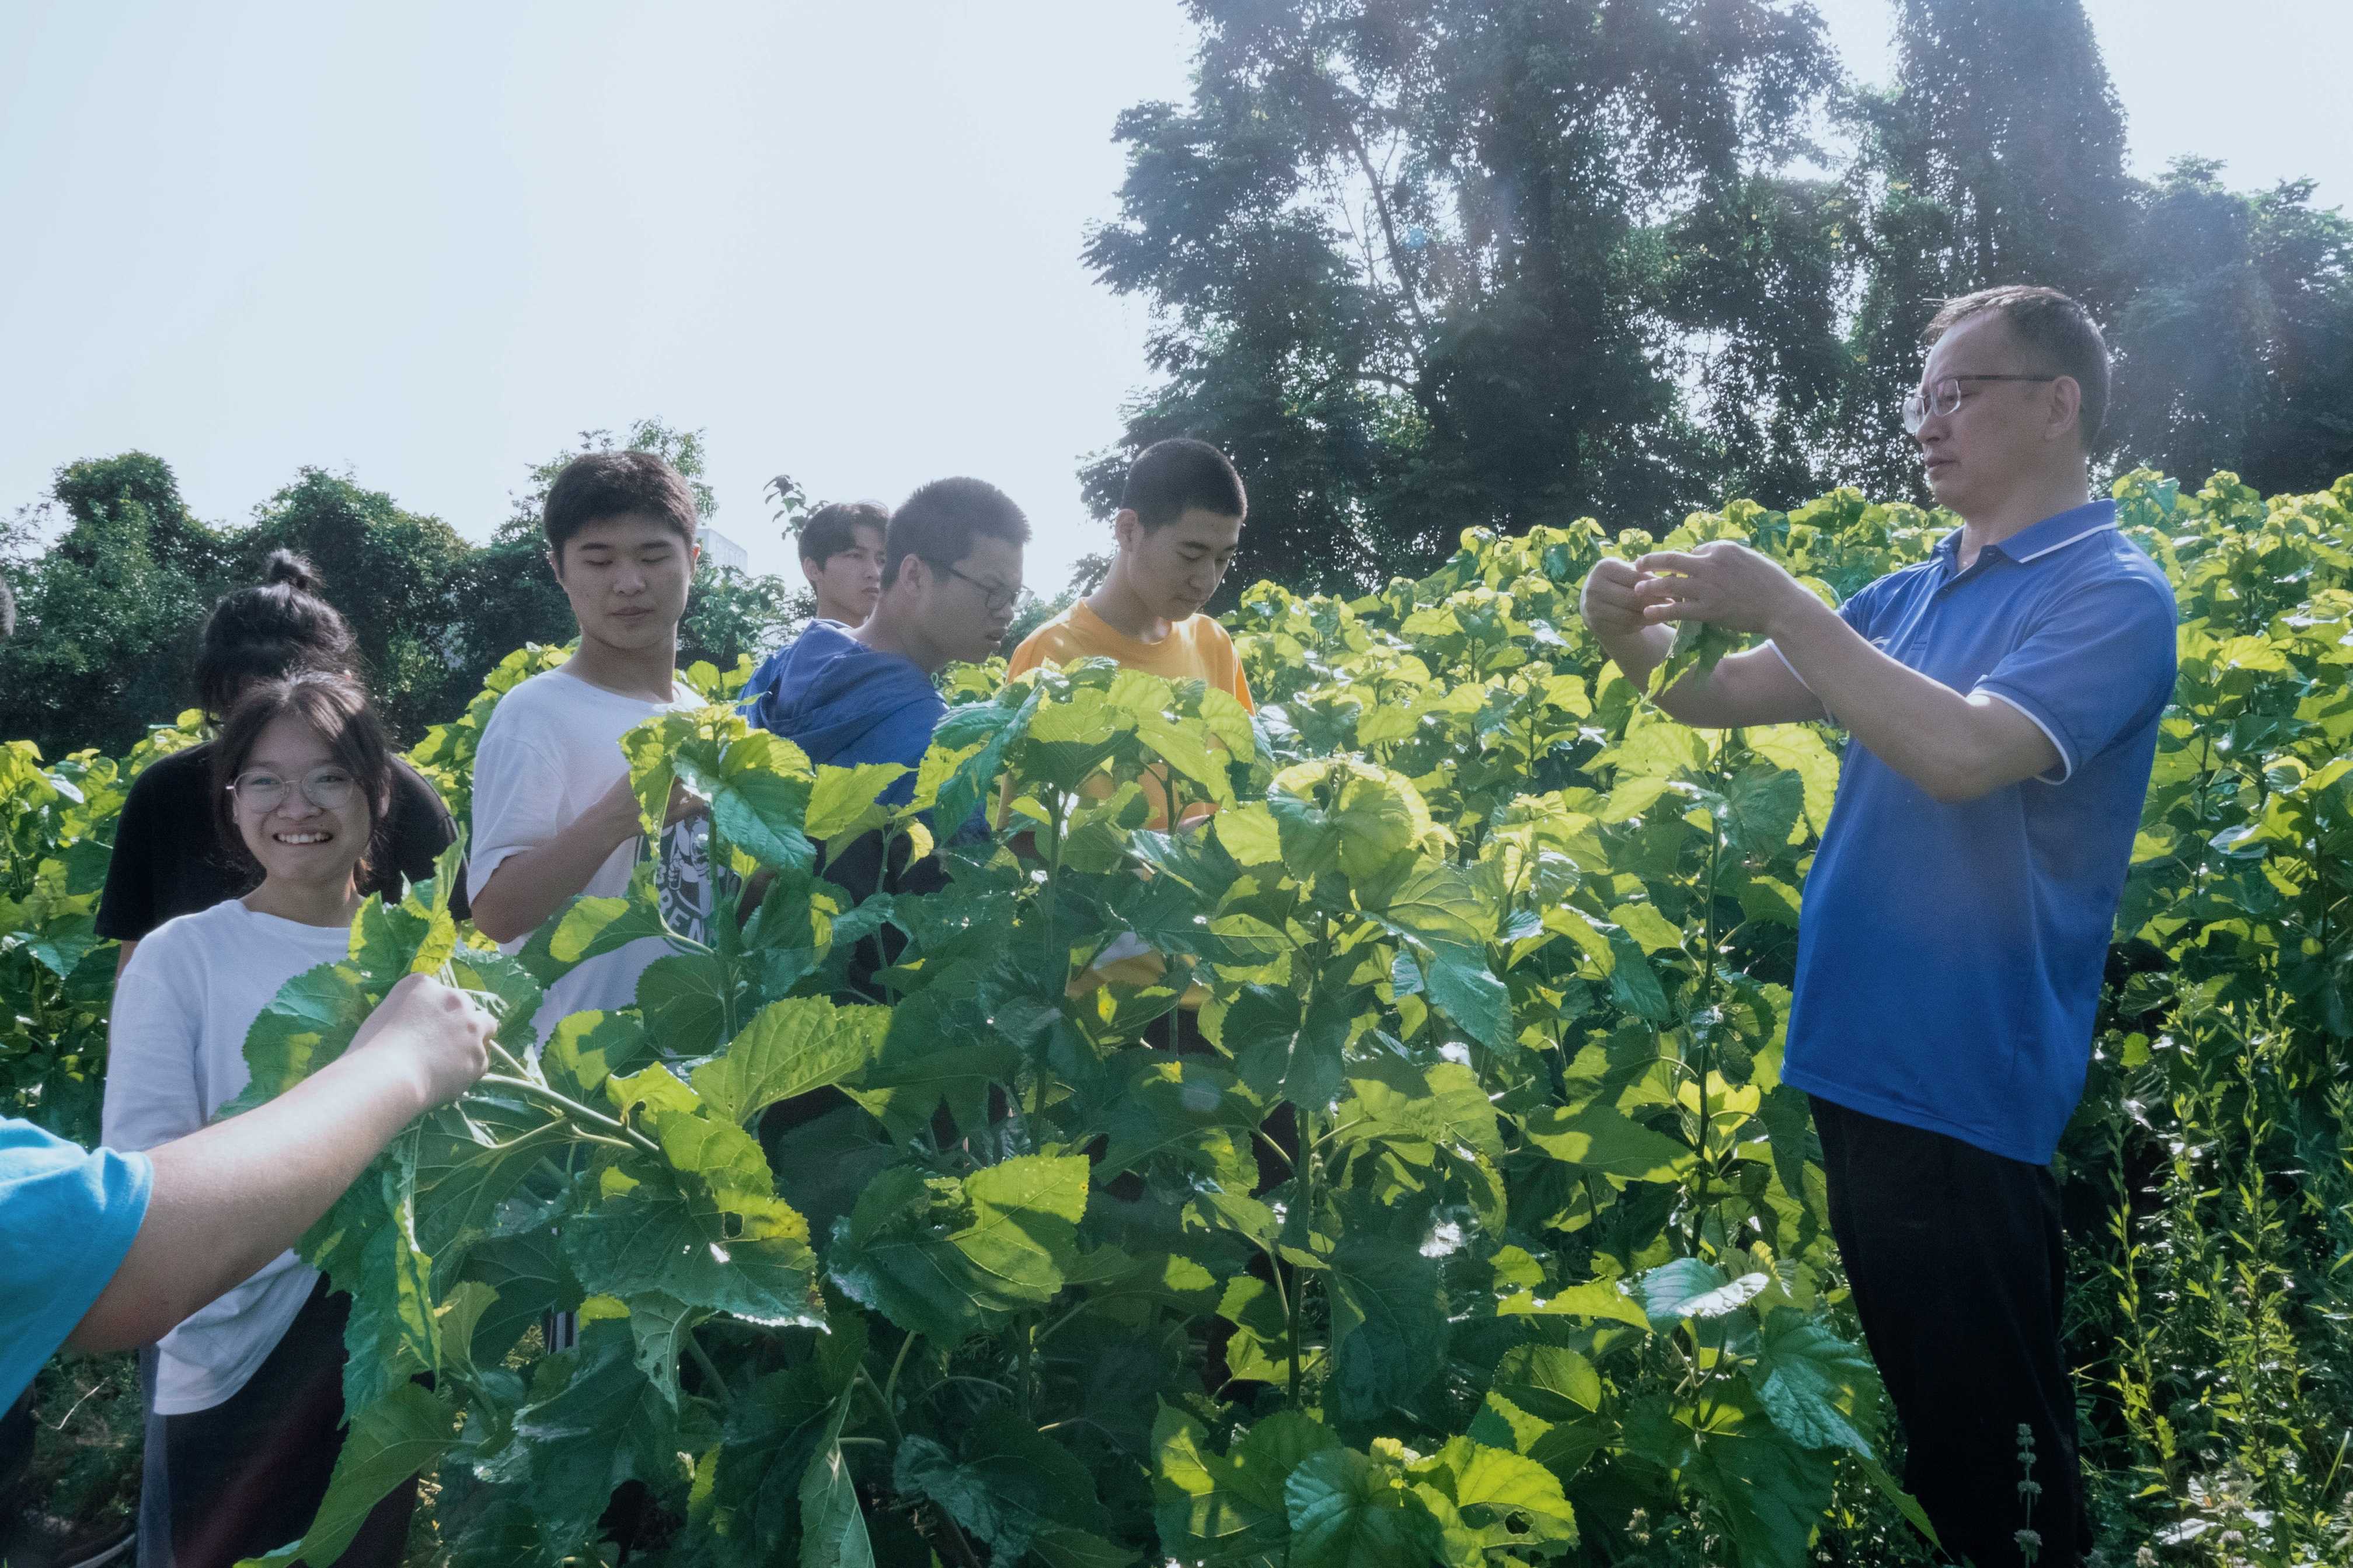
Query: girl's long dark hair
x=333, y=705
x=274, y=628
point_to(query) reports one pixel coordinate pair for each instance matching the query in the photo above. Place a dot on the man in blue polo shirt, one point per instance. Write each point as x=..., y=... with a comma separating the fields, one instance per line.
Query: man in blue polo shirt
x=2003, y=700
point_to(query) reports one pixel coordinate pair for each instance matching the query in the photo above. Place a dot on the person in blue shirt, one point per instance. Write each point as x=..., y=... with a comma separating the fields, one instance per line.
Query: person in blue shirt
x=105, y=1250
x=2003, y=700
x=951, y=576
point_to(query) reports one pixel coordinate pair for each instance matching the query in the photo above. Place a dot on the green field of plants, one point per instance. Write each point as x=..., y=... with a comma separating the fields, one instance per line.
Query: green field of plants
x=1441, y=1203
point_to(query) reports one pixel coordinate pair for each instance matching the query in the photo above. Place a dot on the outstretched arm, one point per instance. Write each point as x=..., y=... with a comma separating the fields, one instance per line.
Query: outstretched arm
x=1956, y=747
x=228, y=1198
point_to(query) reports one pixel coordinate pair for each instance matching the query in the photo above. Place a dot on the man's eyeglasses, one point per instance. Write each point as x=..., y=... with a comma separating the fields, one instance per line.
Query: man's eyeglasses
x=997, y=598
x=1943, y=396
x=262, y=792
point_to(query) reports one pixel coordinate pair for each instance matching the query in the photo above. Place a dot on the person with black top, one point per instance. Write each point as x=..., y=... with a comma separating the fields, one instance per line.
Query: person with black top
x=168, y=860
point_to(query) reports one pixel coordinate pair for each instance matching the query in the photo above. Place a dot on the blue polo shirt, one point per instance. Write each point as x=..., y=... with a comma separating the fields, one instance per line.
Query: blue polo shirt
x=1949, y=956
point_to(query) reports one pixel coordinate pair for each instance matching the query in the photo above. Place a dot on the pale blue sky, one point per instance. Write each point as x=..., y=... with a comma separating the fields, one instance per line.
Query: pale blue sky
x=430, y=241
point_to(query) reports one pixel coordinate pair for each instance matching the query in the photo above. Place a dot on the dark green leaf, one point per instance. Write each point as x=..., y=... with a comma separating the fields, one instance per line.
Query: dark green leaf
x=1388, y=1322
x=1350, y=1511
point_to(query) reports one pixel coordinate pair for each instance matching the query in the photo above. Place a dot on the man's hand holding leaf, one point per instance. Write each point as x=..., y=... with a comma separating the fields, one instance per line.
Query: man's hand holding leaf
x=1721, y=582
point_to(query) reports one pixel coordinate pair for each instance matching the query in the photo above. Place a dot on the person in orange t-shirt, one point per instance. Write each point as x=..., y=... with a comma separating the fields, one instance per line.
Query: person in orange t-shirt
x=1180, y=519
x=1179, y=522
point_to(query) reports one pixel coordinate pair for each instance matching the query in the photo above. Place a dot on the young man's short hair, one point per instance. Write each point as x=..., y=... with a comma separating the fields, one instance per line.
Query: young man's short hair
x=941, y=520
x=598, y=485
x=1170, y=478
x=2056, y=331
x=833, y=526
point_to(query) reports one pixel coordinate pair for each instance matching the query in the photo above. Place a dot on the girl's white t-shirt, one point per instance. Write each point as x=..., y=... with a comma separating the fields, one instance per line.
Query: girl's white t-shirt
x=175, y=1054
x=552, y=749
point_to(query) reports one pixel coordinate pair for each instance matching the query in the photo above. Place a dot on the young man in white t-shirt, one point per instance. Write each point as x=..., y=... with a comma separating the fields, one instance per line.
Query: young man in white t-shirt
x=554, y=813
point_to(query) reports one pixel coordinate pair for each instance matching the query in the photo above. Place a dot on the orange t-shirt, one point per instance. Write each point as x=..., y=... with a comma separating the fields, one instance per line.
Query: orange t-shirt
x=1195, y=647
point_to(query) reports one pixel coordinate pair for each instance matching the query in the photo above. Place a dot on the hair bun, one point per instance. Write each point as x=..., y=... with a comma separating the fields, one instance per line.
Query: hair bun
x=285, y=566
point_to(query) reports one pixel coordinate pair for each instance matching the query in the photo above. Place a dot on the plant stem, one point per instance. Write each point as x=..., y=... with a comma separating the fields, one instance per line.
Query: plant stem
x=702, y=1360
x=1026, y=1327
x=1048, y=1331
x=1705, y=999
x=572, y=1107
x=724, y=927
x=891, y=1387
x=1260, y=1133
x=883, y=1403
x=1306, y=1172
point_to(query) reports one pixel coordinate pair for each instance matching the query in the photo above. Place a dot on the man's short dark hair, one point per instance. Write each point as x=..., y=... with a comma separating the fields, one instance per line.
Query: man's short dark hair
x=2057, y=333
x=598, y=485
x=941, y=520
x=833, y=526
x=1170, y=478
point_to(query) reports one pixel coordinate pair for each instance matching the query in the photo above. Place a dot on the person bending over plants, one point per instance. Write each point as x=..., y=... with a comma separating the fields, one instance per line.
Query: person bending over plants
x=1179, y=523
x=952, y=573
x=245, y=1390
x=846, y=696
x=2003, y=700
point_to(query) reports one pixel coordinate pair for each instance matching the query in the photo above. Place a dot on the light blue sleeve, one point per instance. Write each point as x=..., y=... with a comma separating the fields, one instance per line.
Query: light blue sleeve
x=68, y=1216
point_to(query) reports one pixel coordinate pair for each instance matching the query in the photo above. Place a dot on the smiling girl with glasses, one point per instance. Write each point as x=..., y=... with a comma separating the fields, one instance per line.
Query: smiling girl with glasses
x=303, y=777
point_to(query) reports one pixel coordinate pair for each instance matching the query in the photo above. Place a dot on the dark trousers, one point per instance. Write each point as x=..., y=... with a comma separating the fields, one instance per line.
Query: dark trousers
x=245, y=1477
x=1958, y=1266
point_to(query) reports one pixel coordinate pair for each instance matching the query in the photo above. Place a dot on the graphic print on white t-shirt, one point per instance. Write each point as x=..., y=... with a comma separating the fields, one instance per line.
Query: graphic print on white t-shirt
x=175, y=1054
x=683, y=878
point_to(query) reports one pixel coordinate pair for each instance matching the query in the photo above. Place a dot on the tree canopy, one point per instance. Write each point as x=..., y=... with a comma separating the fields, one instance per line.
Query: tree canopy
x=1410, y=259
x=111, y=611
x=1421, y=266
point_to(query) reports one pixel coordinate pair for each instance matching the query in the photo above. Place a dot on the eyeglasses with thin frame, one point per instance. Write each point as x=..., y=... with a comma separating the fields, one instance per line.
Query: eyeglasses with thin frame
x=1944, y=397
x=262, y=792
x=997, y=598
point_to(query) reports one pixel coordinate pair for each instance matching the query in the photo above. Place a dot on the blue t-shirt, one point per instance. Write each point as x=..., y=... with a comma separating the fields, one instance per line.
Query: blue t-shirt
x=1950, y=956
x=68, y=1215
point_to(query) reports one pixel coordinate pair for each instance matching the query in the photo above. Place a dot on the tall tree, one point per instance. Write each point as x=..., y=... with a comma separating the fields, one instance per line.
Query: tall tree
x=111, y=488
x=1409, y=264
x=108, y=615
x=1998, y=157
x=2238, y=344
x=390, y=571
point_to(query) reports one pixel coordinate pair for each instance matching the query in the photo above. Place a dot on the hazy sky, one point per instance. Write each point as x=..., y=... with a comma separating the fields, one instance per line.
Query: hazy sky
x=430, y=242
